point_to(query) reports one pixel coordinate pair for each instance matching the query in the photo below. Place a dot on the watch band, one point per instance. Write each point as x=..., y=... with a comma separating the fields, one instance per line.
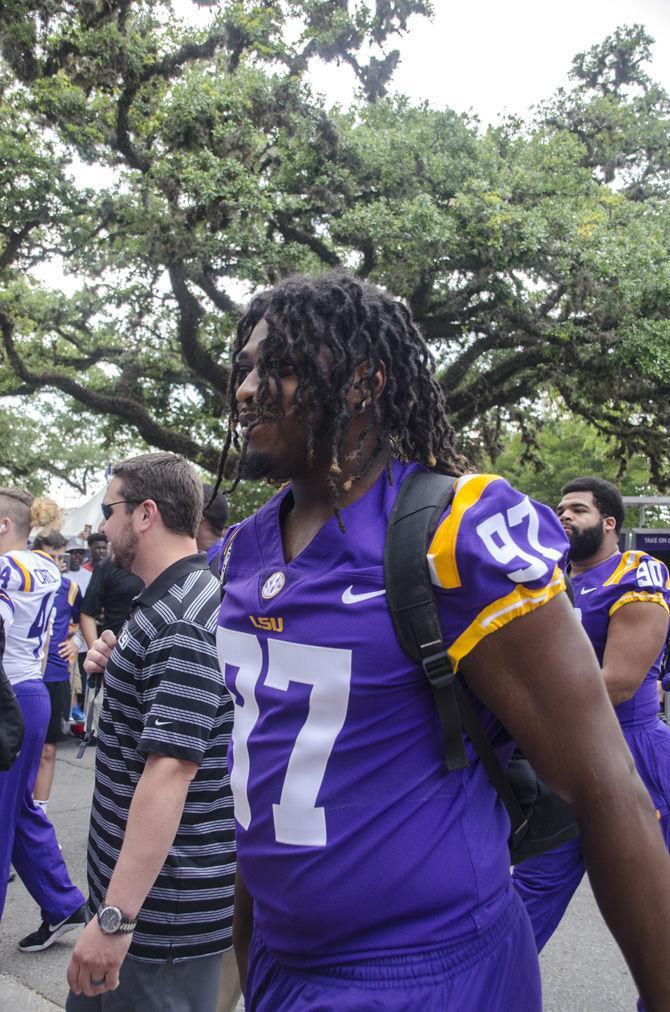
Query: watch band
x=113, y=921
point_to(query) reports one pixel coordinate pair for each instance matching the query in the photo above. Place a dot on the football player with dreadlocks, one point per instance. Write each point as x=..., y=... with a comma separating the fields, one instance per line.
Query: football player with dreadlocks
x=368, y=875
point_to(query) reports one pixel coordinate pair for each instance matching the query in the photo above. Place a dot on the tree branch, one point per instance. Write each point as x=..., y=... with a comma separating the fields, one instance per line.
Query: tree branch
x=190, y=314
x=14, y=240
x=205, y=282
x=293, y=234
x=455, y=373
x=123, y=142
x=486, y=390
x=117, y=405
x=172, y=63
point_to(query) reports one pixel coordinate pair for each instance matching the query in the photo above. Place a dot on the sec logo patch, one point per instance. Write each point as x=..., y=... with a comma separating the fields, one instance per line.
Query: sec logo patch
x=272, y=585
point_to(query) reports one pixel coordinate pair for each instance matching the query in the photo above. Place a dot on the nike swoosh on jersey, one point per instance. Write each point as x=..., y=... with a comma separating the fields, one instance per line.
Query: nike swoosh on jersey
x=162, y=723
x=348, y=597
x=588, y=590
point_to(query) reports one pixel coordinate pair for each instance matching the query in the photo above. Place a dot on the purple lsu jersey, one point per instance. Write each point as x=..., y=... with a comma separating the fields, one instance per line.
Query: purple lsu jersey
x=66, y=609
x=352, y=838
x=600, y=592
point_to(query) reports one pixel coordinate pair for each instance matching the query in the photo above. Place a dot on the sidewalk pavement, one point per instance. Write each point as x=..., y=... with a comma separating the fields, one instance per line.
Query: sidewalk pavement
x=15, y=997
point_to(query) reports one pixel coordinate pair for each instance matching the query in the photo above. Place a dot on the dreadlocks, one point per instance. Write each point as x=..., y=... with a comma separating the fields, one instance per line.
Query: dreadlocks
x=357, y=322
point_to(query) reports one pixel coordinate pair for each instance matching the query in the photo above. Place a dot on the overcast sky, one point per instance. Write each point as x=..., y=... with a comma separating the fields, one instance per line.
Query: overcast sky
x=494, y=56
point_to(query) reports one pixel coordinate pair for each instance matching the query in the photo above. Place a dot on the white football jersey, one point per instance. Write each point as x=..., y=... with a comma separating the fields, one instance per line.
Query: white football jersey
x=82, y=577
x=30, y=580
x=6, y=609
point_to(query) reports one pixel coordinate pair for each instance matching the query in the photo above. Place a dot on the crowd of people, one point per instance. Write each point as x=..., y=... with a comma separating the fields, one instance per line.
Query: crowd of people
x=270, y=763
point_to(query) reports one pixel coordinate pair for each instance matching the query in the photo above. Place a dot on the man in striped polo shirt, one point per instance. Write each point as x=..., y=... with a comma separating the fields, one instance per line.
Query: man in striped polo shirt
x=161, y=843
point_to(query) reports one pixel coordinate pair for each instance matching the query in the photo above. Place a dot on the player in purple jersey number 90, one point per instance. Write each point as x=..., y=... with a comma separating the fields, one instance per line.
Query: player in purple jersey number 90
x=623, y=602
x=369, y=876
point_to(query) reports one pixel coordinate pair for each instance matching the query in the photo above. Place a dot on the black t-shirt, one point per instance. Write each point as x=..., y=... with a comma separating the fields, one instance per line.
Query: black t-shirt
x=109, y=595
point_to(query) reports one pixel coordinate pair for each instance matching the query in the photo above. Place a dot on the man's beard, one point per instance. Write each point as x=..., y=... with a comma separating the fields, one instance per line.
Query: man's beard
x=256, y=465
x=585, y=543
x=124, y=552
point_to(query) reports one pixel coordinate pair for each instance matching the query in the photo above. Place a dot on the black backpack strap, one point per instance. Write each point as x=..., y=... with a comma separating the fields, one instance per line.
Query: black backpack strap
x=474, y=729
x=421, y=501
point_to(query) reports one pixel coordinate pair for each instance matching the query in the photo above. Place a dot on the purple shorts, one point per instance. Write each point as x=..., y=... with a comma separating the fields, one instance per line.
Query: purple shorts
x=496, y=971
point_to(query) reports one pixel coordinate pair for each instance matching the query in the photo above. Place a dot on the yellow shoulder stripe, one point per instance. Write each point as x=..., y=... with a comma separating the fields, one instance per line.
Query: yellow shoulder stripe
x=442, y=550
x=628, y=561
x=639, y=595
x=25, y=572
x=72, y=592
x=520, y=601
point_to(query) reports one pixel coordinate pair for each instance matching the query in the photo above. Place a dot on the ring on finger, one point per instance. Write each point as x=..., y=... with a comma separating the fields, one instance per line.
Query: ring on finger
x=98, y=983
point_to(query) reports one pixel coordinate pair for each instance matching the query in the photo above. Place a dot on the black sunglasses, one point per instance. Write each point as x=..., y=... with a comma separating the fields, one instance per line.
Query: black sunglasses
x=106, y=507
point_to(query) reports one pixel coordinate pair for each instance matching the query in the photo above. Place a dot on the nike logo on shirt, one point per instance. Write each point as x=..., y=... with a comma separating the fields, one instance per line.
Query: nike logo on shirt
x=588, y=590
x=348, y=597
x=162, y=723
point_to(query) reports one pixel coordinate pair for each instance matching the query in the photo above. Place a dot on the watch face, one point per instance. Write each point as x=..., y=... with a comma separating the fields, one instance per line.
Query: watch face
x=110, y=919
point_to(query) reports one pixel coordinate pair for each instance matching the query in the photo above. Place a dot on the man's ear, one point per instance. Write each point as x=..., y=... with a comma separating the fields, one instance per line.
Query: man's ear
x=148, y=514
x=380, y=380
x=610, y=524
x=361, y=384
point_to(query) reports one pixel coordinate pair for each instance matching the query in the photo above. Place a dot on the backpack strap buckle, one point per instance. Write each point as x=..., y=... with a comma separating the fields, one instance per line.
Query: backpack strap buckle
x=442, y=678
x=437, y=668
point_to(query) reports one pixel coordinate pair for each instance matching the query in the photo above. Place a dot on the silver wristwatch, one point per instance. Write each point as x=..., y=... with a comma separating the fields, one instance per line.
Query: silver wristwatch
x=113, y=922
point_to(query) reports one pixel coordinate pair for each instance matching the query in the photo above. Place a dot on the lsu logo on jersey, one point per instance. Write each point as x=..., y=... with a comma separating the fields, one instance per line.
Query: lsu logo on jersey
x=267, y=622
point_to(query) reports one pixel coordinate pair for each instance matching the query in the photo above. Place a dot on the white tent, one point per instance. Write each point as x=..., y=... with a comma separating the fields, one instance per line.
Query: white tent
x=87, y=515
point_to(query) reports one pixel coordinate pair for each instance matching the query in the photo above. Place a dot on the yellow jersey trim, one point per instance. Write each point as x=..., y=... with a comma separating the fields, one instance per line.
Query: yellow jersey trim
x=639, y=595
x=72, y=593
x=26, y=574
x=628, y=561
x=442, y=551
x=521, y=601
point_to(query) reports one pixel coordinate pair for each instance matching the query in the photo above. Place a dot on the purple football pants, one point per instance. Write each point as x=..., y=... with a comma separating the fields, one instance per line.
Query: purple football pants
x=547, y=883
x=27, y=838
x=496, y=971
